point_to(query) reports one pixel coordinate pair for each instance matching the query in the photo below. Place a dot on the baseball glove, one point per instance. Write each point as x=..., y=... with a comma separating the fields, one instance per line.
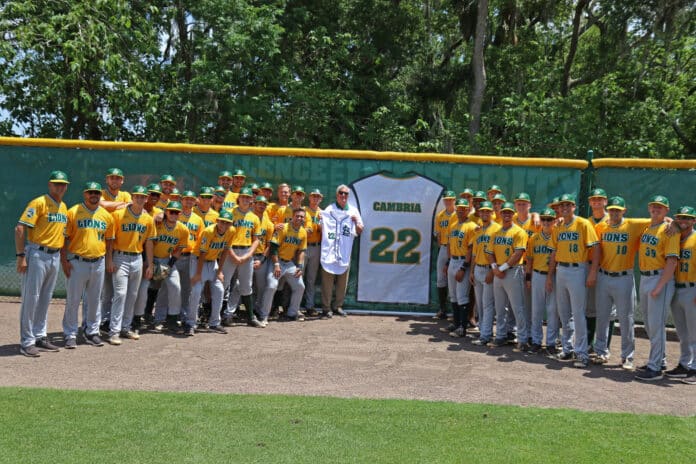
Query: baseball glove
x=160, y=272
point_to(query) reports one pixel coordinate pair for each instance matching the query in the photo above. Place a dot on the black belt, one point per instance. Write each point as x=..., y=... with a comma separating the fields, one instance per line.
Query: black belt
x=568, y=264
x=314, y=244
x=541, y=272
x=484, y=266
x=685, y=285
x=188, y=253
x=286, y=260
x=240, y=247
x=649, y=273
x=458, y=257
x=128, y=253
x=614, y=274
x=87, y=260
x=50, y=251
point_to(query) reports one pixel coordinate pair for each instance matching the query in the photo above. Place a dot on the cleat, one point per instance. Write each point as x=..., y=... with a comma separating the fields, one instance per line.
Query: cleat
x=114, y=340
x=70, y=343
x=565, y=357
x=217, y=329
x=30, y=351
x=94, y=340
x=130, y=335
x=44, y=345
x=627, y=364
x=600, y=359
x=581, y=363
x=678, y=372
x=649, y=375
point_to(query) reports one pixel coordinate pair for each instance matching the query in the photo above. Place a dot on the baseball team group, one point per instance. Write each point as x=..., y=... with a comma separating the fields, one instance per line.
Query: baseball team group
x=183, y=261
x=163, y=259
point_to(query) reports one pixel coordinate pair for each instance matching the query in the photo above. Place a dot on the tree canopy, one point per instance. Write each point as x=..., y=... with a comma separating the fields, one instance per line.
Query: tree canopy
x=509, y=77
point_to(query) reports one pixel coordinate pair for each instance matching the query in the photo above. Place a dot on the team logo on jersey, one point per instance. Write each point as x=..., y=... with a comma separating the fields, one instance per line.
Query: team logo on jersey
x=57, y=217
x=568, y=236
x=615, y=237
x=649, y=239
x=503, y=241
x=685, y=254
x=30, y=213
x=292, y=240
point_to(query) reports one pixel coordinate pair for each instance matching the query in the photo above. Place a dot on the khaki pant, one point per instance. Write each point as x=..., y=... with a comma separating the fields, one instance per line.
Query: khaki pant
x=328, y=283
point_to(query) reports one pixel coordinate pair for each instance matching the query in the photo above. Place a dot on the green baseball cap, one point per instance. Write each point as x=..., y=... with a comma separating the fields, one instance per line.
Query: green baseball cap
x=261, y=199
x=267, y=185
x=523, y=196
x=254, y=187
x=205, y=192
x=508, y=206
x=173, y=206
x=168, y=178
x=486, y=206
x=114, y=172
x=188, y=194
x=554, y=201
x=154, y=188
x=92, y=187
x=499, y=197
x=598, y=192
x=659, y=200
x=58, y=177
x=467, y=191
x=298, y=189
x=548, y=212
x=449, y=195
x=567, y=198
x=480, y=195
x=462, y=203
x=316, y=192
x=225, y=174
x=616, y=203
x=225, y=216
x=175, y=192
x=246, y=192
x=220, y=192
x=139, y=190
x=495, y=188
x=686, y=211
x=238, y=173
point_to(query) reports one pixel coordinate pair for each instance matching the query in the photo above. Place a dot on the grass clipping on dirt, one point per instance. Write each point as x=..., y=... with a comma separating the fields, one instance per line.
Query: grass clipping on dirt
x=114, y=426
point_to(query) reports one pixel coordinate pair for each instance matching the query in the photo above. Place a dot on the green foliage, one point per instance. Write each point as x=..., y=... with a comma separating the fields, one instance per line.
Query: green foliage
x=377, y=74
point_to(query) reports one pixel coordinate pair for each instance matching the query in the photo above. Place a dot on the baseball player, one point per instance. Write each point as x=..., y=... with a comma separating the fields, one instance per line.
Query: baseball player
x=203, y=209
x=88, y=237
x=147, y=294
x=443, y=219
x=39, y=236
x=684, y=302
x=492, y=191
x=238, y=179
x=168, y=184
x=457, y=267
x=313, y=254
x=619, y=239
x=287, y=251
x=207, y=258
x=261, y=260
x=218, y=202
x=478, y=198
x=229, y=197
x=543, y=303
x=134, y=233
x=266, y=190
x=598, y=203
x=658, y=257
x=531, y=224
x=277, y=210
x=297, y=197
x=498, y=201
x=195, y=226
x=482, y=277
x=574, y=246
x=239, y=266
x=505, y=256
x=113, y=198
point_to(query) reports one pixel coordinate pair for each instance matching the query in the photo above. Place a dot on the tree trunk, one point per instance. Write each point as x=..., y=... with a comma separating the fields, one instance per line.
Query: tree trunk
x=565, y=80
x=478, y=70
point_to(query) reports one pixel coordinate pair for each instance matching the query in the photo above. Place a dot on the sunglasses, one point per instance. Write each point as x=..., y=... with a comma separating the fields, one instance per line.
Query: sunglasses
x=546, y=220
x=344, y=193
x=176, y=213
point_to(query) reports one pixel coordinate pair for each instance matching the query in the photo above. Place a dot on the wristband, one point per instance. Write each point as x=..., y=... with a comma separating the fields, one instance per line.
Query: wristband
x=494, y=266
x=504, y=267
x=20, y=255
x=276, y=264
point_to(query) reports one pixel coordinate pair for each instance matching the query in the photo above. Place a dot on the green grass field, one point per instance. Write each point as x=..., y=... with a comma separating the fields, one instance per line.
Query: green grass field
x=60, y=426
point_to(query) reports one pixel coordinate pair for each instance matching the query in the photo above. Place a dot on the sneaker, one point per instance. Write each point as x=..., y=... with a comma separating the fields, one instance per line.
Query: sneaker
x=297, y=318
x=227, y=322
x=190, y=332
x=480, y=342
x=217, y=329
x=474, y=329
x=565, y=357
x=311, y=312
x=678, y=372
x=690, y=379
x=158, y=327
x=440, y=315
x=627, y=364
x=512, y=338
x=130, y=335
x=550, y=352
x=497, y=343
x=458, y=332
x=448, y=329
x=582, y=363
x=341, y=312
x=30, y=351
x=600, y=359
x=44, y=345
x=521, y=348
x=534, y=348
x=70, y=343
x=649, y=375
x=114, y=340
x=263, y=323
x=255, y=322
x=94, y=340
x=645, y=367
x=326, y=314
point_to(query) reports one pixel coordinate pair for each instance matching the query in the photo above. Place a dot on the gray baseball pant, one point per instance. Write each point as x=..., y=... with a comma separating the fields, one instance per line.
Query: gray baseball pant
x=618, y=291
x=684, y=314
x=485, y=303
x=571, y=298
x=287, y=273
x=169, y=296
x=217, y=290
x=88, y=278
x=126, y=283
x=543, y=306
x=38, y=283
x=511, y=288
x=654, y=311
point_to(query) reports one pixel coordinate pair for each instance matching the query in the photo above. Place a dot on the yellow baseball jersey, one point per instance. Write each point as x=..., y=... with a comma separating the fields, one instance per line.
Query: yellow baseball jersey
x=505, y=242
x=277, y=213
x=132, y=230
x=655, y=247
x=170, y=238
x=287, y=215
x=88, y=231
x=267, y=229
x=210, y=245
x=162, y=202
x=230, y=201
x=195, y=226
x=573, y=242
x=248, y=227
x=496, y=217
x=620, y=243
x=482, y=239
x=539, y=251
x=597, y=222
x=290, y=241
x=46, y=221
x=686, y=269
x=155, y=211
x=120, y=196
x=528, y=225
x=474, y=218
x=460, y=236
x=441, y=226
x=313, y=225
x=209, y=217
